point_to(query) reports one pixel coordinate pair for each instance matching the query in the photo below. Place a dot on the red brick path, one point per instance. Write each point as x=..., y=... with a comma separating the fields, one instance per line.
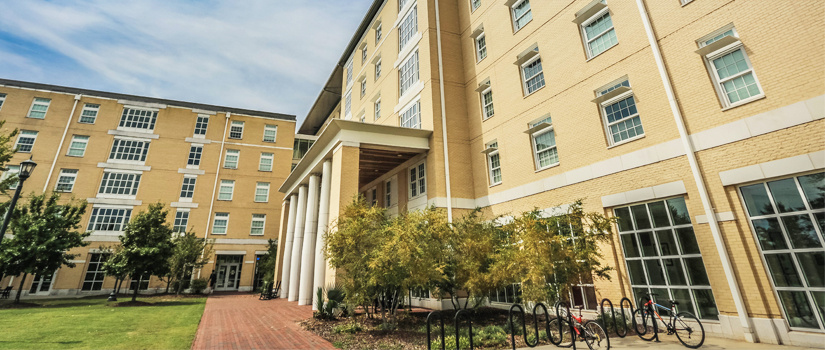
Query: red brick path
x=241, y=321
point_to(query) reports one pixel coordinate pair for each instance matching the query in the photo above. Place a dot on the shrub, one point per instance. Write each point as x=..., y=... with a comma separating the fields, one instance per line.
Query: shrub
x=491, y=336
x=350, y=328
x=198, y=285
x=449, y=343
x=607, y=321
x=531, y=336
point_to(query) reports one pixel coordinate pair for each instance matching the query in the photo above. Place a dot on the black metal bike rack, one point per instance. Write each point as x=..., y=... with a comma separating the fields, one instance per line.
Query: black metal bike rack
x=569, y=323
x=523, y=327
x=613, y=315
x=652, y=315
x=469, y=328
x=429, y=322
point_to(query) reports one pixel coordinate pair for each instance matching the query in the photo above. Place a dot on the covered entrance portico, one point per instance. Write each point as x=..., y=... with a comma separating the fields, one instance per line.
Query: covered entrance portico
x=228, y=272
x=347, y=156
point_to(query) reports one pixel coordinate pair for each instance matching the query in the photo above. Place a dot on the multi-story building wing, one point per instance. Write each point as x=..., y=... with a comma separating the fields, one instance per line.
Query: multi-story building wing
x=215, y=168
x=691, y=121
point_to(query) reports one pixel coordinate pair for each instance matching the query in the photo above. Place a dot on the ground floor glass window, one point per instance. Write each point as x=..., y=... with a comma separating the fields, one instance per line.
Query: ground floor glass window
x=94, y=272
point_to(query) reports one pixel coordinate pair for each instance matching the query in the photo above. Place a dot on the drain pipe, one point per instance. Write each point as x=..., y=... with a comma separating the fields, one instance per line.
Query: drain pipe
x=690, y=151
x=60, y=145
x=215, y=184
x=443, y=116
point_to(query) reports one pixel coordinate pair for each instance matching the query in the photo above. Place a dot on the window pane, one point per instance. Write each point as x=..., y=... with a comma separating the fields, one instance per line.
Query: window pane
x=783, y=270
x=801, y=231
x=814, y=187
x=683, y=297
x=769, y=234
x=659, y=214
x=678, y=211
x=647, y=243
x=624, y=219
x=654, y=272
x=696, y=272
x=786, y=195
x=812, y=265
x=819, y=299
x=820, y=218
x=798, y=309
x=756, y=199
x=636, y=272
x=631, y=248
x=706, y=304
x=666, y=242
x=675, y=274
x=640, y=217
x=687, y=240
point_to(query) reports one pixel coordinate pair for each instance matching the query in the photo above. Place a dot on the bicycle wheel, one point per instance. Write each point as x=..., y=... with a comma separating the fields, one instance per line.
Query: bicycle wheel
x=689, y=330
x=595, y=336
x=643, y=324
x=562, y=339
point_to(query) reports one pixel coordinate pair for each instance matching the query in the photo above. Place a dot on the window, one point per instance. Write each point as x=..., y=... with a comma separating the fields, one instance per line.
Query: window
x=494, y=164
x=411, y=118
x=364, y=54
x=181, y=220
x=109, y=219
x=66, y=179
x=598, y=33
x=621, y=118
x=388, y=194
x=140, y=119
x=25, y=141
x=2, y=100
x=201, y=124
x=533, y=75
x=685, y=2
x=265, y=163
x=521, y=14
x=39, y=108
x=349, y=73
x=487, y=103
x=544, y=144
x=300, y=147
x=787, y=217
x=88, y=114
x=377, y=69
x=187, y=189
x=363, y=87
x=481, y=47
x=378, y=34
x=377, y=114
x=374, y=197
x=270, y=133
x=77, y=148
x=195, y=152
x=401, y=4
x=220, y=224
x=418, y=180
x=474, y=4
x=348, y=106
x=407, y=28
x=510, y=294
x=409, y=73
x=663, y=257
x=258, y=224
x=226, y=190
x=11, y=170
x=236, y=130
x=129, y=150
x=363, y=117
x=262, y=192
x=118, y=183
x=93, y=280
x=230, y=160
x=731, y=69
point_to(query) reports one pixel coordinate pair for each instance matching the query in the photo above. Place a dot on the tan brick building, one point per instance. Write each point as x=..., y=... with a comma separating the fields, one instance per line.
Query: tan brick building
x=216, y=169
x=697, y=122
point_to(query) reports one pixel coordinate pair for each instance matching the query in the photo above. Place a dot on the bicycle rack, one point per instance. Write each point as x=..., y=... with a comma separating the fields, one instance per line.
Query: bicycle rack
x=429, y=319
x=613, y=314
x=569, y=323
x=523, y=327
x=470, y=329
x=652, y=319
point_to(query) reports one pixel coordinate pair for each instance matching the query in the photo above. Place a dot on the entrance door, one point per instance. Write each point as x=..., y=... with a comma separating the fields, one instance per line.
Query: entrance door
x=229, y=272
x=42, y=284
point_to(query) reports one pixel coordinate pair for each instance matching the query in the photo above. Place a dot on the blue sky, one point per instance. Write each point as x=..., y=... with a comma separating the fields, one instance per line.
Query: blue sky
x=271, y=55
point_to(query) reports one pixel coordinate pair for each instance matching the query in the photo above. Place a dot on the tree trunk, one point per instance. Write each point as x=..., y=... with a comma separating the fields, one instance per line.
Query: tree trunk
x=168, y=282
x=20, y=289
x=119, y=284
x=135, y=292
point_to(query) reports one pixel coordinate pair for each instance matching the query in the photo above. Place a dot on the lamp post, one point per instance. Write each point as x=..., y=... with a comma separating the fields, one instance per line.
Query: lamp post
x=26, y=168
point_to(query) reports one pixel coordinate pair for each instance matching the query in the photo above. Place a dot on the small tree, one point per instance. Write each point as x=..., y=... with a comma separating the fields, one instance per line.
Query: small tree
x=268, y=262
x=44, y=231
x=147, y=245
x=115, y=265
x=6, y=152
x=190, y=252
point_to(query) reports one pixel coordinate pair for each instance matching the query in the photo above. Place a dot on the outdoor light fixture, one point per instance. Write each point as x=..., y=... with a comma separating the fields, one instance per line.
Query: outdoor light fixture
x=26, y=168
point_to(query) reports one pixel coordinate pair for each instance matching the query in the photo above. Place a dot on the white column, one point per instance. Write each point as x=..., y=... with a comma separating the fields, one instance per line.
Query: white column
x=323, y=218
x=308, y=256
x=287, y=254
x=295, y=268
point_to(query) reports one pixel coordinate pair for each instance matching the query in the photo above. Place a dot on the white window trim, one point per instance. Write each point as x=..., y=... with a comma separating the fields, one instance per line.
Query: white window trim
x=134, y=188
x=181, y=210
x=115, y=207
x=402, y=17
x=142, y=130
x=266, y=155
x=231, y=185
x=236, y=153
x=524, y=79
x=261, y=185
x=147, y=143
x=348, y=105
x=587, y=40
x=474, y=8
x=490, y=168
x=478, y=49
x=183, y=183
x=194, y=166
x=236, y=123
x=88, y=107
x=484, y=115
x=75, y=139
x=513, y=15
x=222, y=217
x=2, y=100
x=609, y=135
x=35, y=102
x=378, y=68
x=413, y=54
x=407, y=107
x=363, y=88
x=270, y=127
x=63, y=173
x=263, y=227
x=376, y=109
x=194, y=131
x=717, y=82
x=20, y=135
x=417, y=180
x=379, y=34
x=533, y=137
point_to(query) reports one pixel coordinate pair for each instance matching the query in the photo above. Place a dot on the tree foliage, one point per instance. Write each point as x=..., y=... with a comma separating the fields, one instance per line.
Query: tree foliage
x=44, y=231
x=189, y=252
x=147, y=245
x=268, y=262
x=6, y=152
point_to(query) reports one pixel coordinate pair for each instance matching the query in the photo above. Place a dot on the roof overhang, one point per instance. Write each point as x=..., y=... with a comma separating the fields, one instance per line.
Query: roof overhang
x=357, y=134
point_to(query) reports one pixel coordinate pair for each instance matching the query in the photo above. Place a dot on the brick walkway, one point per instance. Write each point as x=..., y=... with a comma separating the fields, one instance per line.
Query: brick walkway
x=241, y=321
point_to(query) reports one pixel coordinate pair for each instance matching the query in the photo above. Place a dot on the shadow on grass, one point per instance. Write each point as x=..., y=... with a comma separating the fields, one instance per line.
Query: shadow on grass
x=74, y=342
x=100, y=300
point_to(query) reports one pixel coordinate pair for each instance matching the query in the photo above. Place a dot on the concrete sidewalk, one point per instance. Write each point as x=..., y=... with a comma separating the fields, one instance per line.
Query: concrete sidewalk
x=671, y=343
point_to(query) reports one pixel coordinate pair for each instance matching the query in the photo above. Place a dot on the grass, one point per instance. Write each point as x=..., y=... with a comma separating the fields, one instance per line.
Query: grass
x=94, y=323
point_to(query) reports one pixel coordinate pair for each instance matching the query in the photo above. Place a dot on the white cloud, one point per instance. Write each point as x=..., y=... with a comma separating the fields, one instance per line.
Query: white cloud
x=259, y=54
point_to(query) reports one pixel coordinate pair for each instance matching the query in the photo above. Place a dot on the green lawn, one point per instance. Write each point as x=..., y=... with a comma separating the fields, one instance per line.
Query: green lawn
x=93, y=323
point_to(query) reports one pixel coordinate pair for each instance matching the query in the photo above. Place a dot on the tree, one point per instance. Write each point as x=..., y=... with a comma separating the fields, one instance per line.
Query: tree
x=268, y=262
x=6, y=152
x=44, y=231
x=115, y=265
x=147, y=245
x=189, y=252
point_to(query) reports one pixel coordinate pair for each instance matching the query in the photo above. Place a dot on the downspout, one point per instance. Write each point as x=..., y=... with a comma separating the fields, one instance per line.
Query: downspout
x=699, y=180
x=443, y=116
x=215, y=184
x=60, y=145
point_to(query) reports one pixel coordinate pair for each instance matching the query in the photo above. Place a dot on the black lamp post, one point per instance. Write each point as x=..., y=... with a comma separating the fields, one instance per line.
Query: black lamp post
x=26, y=168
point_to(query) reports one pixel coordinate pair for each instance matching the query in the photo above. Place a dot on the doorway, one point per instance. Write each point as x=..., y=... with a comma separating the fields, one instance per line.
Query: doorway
x=42, y=284
x=228, y=275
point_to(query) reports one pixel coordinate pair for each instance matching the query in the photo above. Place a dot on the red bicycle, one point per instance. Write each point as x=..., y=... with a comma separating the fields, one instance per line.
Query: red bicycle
x=684, y=324
x=590, y=332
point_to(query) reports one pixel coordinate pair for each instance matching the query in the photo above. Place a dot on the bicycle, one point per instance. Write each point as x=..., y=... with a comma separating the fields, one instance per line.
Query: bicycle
x=684, y=324
x=591, y=332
